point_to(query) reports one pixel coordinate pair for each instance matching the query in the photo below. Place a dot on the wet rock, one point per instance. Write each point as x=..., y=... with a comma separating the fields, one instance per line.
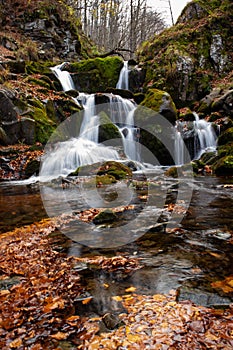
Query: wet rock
x=201, y=297
x=32, y=168
x=105, y=216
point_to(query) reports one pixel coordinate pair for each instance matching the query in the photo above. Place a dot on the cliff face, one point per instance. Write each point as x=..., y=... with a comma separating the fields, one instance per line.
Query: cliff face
x=188, y=59
x=41, y=29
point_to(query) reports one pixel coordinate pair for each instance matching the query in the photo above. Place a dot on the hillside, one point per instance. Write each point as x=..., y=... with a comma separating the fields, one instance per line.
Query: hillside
x=190, y=58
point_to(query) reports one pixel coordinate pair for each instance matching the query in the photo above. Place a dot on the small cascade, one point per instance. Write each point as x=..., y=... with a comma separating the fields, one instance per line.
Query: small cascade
x=179, y=148
x=195, y=138
x=71, y=154
x=64, y=77
x=206, y=137
x=123, y=82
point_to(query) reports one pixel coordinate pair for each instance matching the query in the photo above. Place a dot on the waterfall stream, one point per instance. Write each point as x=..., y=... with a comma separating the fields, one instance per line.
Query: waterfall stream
x=84, y=148
x=123, y=82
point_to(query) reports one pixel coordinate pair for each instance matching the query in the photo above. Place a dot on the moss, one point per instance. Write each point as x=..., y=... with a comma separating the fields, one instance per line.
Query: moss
x=116, y=169
x=171, y=172
x=44, y=127
x=224, y=167
x=102, y=73
x=107, y=130
x=105, y=216
x=161, y=102
x=225, y=150
x=225, y=137
x=39, y=67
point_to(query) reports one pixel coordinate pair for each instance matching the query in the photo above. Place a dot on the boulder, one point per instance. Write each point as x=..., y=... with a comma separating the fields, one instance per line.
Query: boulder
x=8, y=112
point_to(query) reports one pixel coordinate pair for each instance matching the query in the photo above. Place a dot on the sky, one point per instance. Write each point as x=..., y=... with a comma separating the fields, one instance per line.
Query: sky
x=163, y=5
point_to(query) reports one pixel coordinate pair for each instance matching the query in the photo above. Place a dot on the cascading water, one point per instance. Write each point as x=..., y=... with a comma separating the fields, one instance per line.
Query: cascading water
x=206, y=137
x=123, y=82
x=84, y=149
x=64, y=77
x=199, y=136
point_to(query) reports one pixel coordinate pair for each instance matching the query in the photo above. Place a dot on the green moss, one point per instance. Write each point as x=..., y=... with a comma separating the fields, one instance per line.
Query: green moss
x=39, y=67
x=224, y=167
x=44, y=127
x=225, y=137
x=171, y=172
x=96, y=74
x=107, y=130
x=116, y=169
x=105, y=216
x=225, y=150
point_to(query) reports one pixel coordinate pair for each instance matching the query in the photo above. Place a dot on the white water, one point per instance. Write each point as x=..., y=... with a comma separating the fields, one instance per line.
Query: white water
x=205, y=139
x=206, y=136
x=123, y=82
x=69, y=155
x=64, y=77
x=84, y=149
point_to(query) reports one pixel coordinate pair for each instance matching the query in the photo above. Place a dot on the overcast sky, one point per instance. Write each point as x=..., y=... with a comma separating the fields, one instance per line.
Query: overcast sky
x=163, y=5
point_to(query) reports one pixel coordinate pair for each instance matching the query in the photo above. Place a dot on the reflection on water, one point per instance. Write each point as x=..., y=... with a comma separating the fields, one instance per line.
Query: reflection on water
x=188, y=258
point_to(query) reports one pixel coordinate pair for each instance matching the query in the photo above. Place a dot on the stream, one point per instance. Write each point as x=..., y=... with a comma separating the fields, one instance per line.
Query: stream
x=187, y=259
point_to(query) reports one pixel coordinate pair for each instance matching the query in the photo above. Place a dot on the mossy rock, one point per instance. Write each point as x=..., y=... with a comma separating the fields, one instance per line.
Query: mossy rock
x=225, y=150
x=225, y=137
x=107, y=130
x=116, y=169
x=96, y=74
x=111, y=169
x=44, y=126
x=224, y=167
x=156, y=135
x=105, y=216
x=171, y=172
x=33, y=67
x=161, y=102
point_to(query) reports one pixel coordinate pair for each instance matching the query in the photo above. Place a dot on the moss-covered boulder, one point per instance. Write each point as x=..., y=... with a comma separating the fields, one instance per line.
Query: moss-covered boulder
x=107, y=130
x=116, y=169
x=106, y=173
x=226, y=137
x=105, y=216
x=96, y=74
x=224, y=167
x=161, y=102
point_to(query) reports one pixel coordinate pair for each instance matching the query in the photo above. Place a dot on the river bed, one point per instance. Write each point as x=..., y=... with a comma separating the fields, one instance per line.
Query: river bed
x=188, y=258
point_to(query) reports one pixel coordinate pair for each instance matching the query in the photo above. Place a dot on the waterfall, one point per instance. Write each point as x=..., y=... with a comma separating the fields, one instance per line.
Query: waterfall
x=84, y=149
x=64, y=77
x=206, y=136
x=196, y=137
x=123, y=82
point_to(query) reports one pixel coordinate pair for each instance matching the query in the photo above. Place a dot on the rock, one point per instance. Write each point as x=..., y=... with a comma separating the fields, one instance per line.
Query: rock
x=192, y=11
x=108, y=130
x=123, y=93
x=96, y=74
x=7, y=109
x=105, y=216
x=224, y=102
x=161, y=102
x=224, y=167
x=226, y=137
x=116, y=169
x=32, y=168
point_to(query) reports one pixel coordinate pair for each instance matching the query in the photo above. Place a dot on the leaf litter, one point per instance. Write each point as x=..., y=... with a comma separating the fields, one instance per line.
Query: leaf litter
x=41, y=311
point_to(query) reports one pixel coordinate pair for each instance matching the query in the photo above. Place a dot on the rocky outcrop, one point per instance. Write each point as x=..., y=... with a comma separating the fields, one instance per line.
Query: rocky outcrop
x=185, y=59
